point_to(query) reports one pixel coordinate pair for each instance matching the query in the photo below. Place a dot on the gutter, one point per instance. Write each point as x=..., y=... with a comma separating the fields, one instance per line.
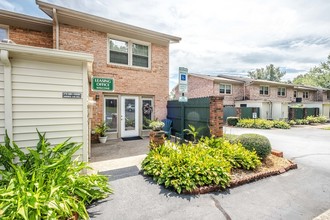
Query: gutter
x=4, y=59
x=57, y=30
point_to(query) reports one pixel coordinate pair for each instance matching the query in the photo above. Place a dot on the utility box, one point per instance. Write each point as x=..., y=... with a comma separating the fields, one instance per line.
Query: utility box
x=44, y=89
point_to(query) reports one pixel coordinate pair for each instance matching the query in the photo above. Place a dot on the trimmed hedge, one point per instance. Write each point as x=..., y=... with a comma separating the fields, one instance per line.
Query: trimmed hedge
x=232, y=121
x=256, y=142
x=262, y=124
x=189, y=166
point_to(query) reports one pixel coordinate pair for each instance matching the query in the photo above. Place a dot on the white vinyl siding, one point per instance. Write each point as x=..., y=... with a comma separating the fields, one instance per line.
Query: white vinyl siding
x=37, y=89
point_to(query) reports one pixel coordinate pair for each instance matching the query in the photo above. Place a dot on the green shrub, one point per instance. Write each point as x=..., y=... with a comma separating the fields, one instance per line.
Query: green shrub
x=281, y=124
x=256, y=142
x=302, y=122
x=186, y=167
x=255, y=123
x=238, y=156
x=292, y=122
x=45, y=183
x=232, y=138
x=316, y=119
x=232, y=121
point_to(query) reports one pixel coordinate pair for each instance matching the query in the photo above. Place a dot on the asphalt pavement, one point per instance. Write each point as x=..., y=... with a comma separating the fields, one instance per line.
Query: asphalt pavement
x=299, y=194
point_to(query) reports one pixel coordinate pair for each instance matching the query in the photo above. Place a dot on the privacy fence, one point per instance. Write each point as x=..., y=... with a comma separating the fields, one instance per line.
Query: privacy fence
x=301, y=113
x=206, y=114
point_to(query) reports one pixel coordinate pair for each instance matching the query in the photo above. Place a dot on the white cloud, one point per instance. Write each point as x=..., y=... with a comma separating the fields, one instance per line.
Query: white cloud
x=226, y=36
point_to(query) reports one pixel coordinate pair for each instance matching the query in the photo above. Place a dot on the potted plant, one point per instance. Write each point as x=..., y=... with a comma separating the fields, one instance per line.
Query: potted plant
x=101, y=130
x=156, y=136
x=156, y=125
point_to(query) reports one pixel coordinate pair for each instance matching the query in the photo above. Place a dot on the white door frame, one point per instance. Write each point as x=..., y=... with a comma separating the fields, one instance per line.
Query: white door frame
x=134, y=131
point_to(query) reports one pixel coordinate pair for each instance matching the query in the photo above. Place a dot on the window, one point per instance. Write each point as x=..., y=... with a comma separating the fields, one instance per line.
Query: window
x=305, y=95
x=3, y=33
x=328, y=95
x=295, y=93
x=147, y=112
x=128, y=52
x=111, y=116
x=263, y=90
x=281, y=92
x=225, y=89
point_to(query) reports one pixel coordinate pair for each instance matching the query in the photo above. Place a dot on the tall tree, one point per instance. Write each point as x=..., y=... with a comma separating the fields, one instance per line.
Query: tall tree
x=271, y=73
x=316, y=76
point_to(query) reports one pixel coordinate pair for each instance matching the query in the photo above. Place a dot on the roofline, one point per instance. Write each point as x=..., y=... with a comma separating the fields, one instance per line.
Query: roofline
x=215, y=78
x=46, y=52
x=103, y=23
x=21, y=20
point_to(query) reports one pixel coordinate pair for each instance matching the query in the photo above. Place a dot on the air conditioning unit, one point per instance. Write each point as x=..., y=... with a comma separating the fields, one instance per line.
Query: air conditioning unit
x=298, y=99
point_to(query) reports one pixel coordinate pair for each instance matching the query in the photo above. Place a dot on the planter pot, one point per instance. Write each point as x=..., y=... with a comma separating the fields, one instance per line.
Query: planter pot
x=103, y=139
x=156, y=138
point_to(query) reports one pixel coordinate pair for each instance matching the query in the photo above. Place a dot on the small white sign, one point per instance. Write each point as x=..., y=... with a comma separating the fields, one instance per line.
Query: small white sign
x=183, y=75
x=254, y=115
x=183, y=88
x=183, y=99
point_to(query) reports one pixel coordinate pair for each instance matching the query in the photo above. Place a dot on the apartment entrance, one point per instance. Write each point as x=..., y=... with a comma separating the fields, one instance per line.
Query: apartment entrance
x=129, y=116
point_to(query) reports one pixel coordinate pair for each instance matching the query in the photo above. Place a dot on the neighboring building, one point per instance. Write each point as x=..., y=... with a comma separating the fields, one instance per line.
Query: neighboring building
x=136, y=59
x=272, y=98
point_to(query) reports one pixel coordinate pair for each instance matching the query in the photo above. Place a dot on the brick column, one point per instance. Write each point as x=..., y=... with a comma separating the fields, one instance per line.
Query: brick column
x=216, y=116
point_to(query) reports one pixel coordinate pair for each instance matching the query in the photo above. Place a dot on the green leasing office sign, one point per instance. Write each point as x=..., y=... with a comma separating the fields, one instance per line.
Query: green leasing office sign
x=102, y=84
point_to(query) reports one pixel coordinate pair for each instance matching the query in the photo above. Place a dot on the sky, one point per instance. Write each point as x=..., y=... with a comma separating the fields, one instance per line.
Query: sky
x=220, y=37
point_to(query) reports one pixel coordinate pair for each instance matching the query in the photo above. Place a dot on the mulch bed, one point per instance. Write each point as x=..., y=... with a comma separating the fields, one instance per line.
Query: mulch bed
x=274, y=164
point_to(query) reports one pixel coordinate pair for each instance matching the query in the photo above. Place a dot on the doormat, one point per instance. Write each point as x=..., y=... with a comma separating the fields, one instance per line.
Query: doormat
x=132, y=138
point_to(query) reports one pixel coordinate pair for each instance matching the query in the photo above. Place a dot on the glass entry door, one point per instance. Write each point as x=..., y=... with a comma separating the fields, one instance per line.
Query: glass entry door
x=129, y=116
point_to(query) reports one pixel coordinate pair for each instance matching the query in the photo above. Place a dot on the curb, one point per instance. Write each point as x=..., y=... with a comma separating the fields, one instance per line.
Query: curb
x=324, y=216
x=255, y=177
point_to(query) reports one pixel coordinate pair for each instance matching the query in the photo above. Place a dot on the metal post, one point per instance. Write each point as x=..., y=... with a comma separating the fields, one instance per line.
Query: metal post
x=182, y=121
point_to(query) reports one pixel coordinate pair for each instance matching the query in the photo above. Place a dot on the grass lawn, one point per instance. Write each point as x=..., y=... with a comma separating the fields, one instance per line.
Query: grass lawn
x=326, y=128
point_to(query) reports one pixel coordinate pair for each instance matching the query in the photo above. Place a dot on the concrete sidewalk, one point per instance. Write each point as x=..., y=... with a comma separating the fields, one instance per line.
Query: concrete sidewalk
x=117, y=154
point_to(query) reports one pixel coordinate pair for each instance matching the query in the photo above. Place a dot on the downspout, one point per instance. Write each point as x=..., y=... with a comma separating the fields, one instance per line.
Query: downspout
x=57, y=30
x=4, y=59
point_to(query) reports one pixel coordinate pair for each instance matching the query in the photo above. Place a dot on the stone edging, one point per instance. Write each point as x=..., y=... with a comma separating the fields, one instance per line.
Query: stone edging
x=254, y=177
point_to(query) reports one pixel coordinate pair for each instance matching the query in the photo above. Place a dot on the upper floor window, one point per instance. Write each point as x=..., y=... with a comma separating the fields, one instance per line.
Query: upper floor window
x=305, y=95
x=225, y=89
x=264, y=90
x=128, y=52
x=281, y=91
x=294, y=93
x=3, y=32
x=328, y=95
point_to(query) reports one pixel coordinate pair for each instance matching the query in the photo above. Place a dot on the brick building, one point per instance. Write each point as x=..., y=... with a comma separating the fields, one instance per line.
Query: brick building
x=135, y=60
x=272, y=98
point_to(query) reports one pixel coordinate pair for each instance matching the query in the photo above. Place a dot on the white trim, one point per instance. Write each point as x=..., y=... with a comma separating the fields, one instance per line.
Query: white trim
x=153, y=110
x=3, y=26
x=136, y=130
x=130, y=42
x=86, y=135
x=4, y=58
x=231, y=89
x=46, y=52
x=105, y=97
x=89, y=21
x=263, y=91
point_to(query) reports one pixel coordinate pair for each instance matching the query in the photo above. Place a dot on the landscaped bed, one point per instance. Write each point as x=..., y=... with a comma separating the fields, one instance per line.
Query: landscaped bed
x=213, y=163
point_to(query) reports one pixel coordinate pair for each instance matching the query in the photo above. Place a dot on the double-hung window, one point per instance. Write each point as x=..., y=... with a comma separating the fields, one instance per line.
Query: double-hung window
x=305, y=95
x=264, y=90
x=225, y=89
x=3, y=32
x=295, y=93
x=281, y=91
x=129, y=52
